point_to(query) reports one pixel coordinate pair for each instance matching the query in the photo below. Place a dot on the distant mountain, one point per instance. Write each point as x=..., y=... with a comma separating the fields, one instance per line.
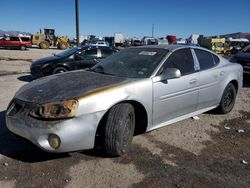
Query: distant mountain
x=2, y=32
x=236, y=35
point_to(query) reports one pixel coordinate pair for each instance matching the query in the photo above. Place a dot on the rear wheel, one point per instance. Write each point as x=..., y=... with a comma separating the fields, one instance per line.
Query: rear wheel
x=44, y=45
x=22, y=47
x=63, y=45
x=59, y=70
x=228, y=99
x=119, y=129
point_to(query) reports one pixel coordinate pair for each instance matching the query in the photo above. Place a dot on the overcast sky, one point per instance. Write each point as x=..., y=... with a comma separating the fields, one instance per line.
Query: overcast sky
x=132, y=17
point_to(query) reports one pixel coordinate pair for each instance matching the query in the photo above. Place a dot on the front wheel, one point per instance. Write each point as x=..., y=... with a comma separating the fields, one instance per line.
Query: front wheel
x=119, y=129
x=228, y=99
x=59, y=70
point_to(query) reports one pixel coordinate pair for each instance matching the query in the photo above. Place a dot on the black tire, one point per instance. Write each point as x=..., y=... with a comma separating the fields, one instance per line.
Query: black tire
x=119, y=129
x=44, y=45
x=58, y=70
x=22, y=47
x=228, y=99
x=63, y=45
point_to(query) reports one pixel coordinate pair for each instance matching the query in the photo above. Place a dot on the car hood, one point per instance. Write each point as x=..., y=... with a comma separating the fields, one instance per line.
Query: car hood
x=46, y=59
x=69, y=85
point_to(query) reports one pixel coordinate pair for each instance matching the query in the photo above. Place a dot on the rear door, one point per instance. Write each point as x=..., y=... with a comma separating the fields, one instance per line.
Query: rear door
x=210, y=79
x=88, y=58
x=176, y=97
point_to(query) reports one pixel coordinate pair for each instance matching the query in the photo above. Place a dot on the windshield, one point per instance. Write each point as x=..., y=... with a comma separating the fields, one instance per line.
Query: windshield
x=219, y=44
x=132, y=63
x=68, y=52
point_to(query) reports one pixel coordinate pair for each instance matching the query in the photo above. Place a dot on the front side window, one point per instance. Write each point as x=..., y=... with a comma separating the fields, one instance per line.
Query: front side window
x=181, y=59
x=14, y=38
x=206, y=59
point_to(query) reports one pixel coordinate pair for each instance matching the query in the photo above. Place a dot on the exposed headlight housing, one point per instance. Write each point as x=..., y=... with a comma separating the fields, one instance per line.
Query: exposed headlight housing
x=57, y=110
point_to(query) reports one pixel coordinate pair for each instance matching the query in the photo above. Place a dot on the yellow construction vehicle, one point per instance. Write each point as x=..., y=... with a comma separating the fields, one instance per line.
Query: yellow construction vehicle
x=48, y=38
x=218, y=45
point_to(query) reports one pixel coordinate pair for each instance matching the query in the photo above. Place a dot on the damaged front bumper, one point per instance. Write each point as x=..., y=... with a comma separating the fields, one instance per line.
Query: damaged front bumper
x=73, y=134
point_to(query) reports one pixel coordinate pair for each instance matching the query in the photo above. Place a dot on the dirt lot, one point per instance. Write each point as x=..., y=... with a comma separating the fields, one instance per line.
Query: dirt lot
x=191, y=153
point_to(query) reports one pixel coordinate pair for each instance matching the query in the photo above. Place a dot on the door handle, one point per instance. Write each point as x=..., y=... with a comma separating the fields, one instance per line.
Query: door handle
x=193, y=81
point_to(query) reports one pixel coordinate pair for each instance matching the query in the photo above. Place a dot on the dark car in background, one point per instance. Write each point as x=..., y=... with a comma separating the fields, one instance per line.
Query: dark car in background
x=237, y=46
x=15, y=42
x=243, y=58
x=71, y=59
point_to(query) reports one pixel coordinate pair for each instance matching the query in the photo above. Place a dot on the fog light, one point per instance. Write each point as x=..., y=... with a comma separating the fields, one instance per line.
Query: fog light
x=54, y=141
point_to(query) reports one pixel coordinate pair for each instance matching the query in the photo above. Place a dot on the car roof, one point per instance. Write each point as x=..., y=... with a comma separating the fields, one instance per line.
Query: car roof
x=173, y=47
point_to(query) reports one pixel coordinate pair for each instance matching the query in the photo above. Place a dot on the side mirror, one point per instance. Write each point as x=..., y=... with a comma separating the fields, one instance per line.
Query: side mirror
x=170, y=73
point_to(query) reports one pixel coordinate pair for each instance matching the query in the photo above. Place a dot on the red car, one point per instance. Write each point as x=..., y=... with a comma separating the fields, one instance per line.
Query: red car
x=15, y=42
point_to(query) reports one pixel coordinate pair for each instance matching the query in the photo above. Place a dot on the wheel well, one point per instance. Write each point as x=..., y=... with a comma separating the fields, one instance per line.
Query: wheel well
x=236, y=85
x=141, y=121
x=62, y=66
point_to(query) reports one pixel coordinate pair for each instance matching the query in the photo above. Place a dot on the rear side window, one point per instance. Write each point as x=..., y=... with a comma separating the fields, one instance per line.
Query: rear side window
x=206, y=59
x=106, y=52
x=90, y=54
x=181, y=59
x=25, y=39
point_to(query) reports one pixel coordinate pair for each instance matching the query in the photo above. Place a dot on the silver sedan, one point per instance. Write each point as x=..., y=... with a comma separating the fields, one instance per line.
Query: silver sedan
x=131, y=92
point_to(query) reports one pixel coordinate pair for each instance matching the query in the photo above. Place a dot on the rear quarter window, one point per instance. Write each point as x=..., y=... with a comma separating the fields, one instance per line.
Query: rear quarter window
x=206, y=59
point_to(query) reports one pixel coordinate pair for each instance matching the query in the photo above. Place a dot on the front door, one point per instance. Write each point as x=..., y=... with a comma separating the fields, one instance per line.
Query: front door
x=176, y=97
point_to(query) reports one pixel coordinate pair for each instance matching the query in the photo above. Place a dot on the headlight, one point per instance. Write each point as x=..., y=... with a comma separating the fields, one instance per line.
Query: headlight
x=57, y=110
x=45, y=65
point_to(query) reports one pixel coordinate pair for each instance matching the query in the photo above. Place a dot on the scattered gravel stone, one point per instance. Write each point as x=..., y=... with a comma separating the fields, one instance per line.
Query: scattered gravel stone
x=240, y=131
x=244, y=162
x=5, y=164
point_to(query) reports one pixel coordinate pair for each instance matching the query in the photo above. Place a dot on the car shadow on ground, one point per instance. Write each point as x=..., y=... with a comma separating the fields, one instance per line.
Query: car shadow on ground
x=246, y=81
x=19, y=149
x=25, y=78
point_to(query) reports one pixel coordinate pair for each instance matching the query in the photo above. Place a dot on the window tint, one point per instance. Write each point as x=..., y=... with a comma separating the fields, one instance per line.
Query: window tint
x=89, y=54
x=14, y=38
x=26, y=39
x=181, y=59
x=205, y=59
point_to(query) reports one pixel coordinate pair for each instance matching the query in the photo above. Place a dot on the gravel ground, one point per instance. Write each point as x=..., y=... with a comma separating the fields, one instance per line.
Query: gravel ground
x=190, y=153
x=17, y=61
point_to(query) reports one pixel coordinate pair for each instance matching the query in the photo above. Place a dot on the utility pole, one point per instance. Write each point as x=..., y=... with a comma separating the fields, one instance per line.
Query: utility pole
x=153, y=29
x=77, y=22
